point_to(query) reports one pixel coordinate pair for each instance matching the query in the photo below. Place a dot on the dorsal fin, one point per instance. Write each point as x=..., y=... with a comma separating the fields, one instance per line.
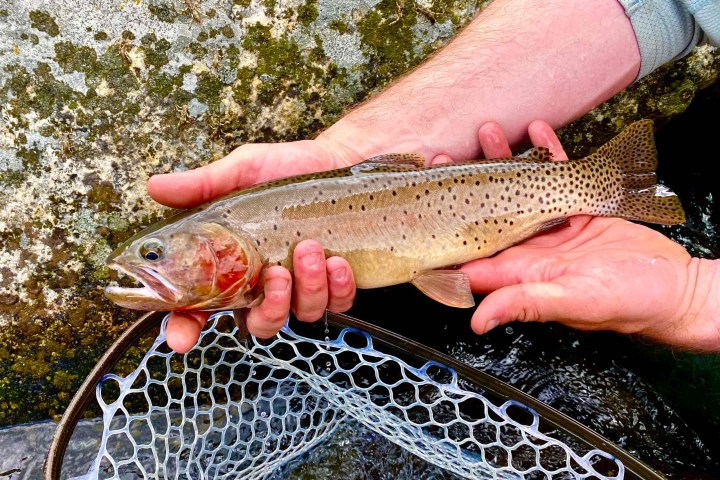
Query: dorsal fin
x=397, y=159
x=388, y=163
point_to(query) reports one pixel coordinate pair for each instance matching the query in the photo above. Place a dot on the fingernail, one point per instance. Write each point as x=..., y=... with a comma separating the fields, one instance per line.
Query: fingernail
x=491, y=324
x=313, y=260
x=339, y=274
x=277, y=285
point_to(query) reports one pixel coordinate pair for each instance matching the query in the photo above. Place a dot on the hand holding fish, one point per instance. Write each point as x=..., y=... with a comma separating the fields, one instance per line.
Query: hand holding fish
x=394, y=221
x=597, y=274
x=602, y=274
x=319, y=284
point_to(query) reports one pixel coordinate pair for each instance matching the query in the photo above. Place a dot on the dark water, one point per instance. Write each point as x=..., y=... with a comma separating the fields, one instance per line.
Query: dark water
x=661, y=405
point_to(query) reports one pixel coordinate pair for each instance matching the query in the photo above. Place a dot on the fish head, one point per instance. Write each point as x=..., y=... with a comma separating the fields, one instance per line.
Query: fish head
x=206, y=267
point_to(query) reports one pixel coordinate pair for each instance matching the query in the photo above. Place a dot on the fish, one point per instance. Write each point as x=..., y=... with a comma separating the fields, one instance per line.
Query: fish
x=394, y=219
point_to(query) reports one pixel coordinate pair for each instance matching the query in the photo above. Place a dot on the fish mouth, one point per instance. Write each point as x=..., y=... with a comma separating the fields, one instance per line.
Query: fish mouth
x=156, y=292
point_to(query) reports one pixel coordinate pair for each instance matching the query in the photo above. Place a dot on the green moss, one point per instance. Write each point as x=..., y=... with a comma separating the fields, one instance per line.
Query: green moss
x=202, y=36
x=339, y=26
x=34, y=39
x=101, y=36
x=30, y=159
x=242, y=3
x=75, y=59
x=307, y=13
x=269, y=6
x=197, y=50
x=208, y=88
x=388, y=45
x=164, y=11
x=227, y=31
x=3, y=12
x=162, y=84
x=12, y=178
x=103, y=197
x=243, y=86
x=678, y=99
x=41, y=20
x=38, y=92
x=157, y=54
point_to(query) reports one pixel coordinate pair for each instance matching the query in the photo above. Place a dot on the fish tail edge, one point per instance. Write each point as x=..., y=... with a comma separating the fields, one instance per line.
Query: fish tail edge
x=643, y=198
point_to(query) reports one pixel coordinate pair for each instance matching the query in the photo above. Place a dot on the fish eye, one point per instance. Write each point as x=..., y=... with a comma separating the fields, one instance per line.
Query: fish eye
x=152, y=250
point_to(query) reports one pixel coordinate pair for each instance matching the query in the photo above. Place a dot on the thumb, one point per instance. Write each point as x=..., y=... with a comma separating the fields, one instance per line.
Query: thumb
x=237, y=170
x=525, y=302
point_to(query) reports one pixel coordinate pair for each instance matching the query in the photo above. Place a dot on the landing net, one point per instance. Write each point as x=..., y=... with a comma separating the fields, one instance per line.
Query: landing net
x=244, y=408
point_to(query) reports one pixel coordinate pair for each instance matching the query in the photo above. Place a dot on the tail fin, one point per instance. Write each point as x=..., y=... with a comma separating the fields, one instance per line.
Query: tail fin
x=643, y=200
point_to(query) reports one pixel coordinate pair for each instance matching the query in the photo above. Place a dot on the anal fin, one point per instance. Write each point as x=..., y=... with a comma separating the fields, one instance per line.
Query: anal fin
x=449, y=287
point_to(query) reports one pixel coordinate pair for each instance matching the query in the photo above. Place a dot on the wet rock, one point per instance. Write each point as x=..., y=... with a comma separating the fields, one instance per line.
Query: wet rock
x=95, y=97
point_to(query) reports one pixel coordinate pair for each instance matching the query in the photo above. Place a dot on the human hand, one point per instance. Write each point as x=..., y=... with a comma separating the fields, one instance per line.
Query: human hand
x=597, y=274
x=319, y=284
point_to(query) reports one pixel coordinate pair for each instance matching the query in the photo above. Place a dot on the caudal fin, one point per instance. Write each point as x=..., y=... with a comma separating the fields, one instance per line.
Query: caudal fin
x=643, y=200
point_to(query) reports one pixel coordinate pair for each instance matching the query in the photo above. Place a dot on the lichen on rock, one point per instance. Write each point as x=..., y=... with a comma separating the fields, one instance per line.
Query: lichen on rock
x=97, y=96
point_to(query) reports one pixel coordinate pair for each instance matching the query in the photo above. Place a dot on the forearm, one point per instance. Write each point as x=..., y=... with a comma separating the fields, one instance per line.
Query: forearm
x=518, y=61
x=699, y=327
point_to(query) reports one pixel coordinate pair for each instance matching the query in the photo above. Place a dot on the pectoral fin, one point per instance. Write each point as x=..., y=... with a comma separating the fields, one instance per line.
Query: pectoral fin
x=449, y=287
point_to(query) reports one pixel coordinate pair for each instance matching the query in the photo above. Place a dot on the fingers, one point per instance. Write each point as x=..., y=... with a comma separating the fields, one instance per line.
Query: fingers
x=526, y=302
x=183, y=330
x=310, y=296
x=493, y=141
x=542, y=135
x=185, y=189
x=319, y=285
x=341, y=285
x=489, y=274
x=267, y=319
x=440, y=159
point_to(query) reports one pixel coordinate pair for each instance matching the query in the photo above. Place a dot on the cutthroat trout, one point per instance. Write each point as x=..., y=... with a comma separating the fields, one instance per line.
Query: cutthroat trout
x=393, y=219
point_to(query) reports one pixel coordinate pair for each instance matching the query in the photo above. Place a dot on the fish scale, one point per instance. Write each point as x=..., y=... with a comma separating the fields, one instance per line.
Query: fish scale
x=397, y=221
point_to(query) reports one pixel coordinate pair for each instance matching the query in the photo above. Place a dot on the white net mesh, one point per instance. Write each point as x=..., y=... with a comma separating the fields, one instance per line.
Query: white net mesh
x=243, y=408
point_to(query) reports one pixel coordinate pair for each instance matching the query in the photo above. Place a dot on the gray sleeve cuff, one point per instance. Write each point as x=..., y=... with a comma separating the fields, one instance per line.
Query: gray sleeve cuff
x=707, y=15
x=664, y=29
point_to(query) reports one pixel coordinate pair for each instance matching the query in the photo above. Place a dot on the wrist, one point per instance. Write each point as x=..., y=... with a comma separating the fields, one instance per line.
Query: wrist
x=700, y=316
